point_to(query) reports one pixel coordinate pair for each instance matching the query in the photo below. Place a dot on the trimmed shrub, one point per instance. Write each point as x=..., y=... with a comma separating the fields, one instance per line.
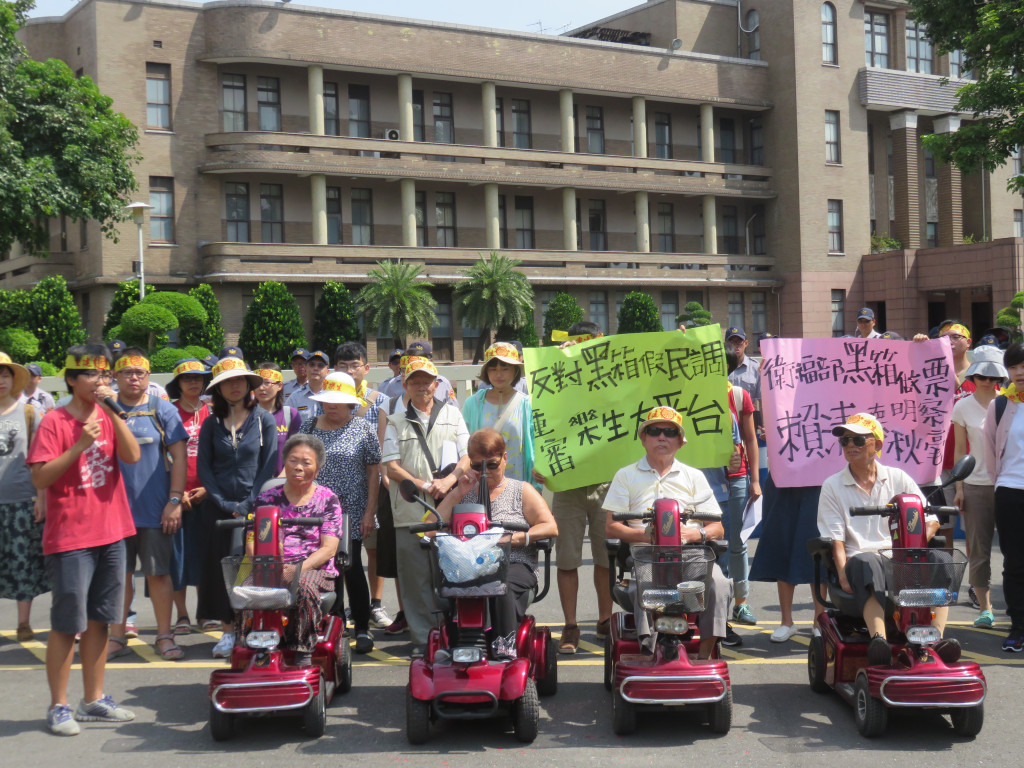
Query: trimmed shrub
x=272, y=327
x=527, y=336
x=694, y=315
x=146, y=325
x=639, y=314
x=126, y=296
x=20, y=344
x=14, y=306
x=334, y=320
x=190, y=313
x=563, y=312
x=54, y=319
x=164, y=360
x=211, y=334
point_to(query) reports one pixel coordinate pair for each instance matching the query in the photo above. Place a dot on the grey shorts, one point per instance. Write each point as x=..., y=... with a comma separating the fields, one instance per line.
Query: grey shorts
x=153, y=548
x=87, y=585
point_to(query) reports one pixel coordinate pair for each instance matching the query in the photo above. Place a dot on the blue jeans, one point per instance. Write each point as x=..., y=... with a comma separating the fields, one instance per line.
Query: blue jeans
x=735, y=563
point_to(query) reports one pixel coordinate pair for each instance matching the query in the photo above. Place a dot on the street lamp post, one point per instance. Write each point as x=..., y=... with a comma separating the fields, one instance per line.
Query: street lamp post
x=138, y=212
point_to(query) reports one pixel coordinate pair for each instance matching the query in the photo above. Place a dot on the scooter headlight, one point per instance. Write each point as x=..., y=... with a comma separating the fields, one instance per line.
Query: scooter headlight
x=924, y=598
x=923, y=635
x=467, y=655
x=672, y=625
x=470, y=529
x=263, y=639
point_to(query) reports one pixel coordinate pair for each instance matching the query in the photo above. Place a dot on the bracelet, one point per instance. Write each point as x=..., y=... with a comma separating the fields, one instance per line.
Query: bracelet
x=425, y=486
x=527, y=539
x=703, y=537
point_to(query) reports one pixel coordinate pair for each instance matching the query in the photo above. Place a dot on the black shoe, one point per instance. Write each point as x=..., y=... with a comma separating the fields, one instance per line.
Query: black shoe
x=972, y=596
x=879, y=653
x=948, y=649
x=364, y=642
x=731, y=639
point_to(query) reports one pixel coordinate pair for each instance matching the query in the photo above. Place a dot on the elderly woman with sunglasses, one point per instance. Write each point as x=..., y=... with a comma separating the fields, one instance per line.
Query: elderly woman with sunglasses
x=512, y=501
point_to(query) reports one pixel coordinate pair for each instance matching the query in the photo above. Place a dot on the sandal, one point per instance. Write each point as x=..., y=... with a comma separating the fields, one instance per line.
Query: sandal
x=121, y=648
x=183, y=626
x=209, y=625
x=172, y=653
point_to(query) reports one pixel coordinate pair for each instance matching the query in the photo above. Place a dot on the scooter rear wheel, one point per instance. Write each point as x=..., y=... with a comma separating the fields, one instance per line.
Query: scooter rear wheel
x=608, y=670
x=343, y=668
x=968, y=722
x=222, y=725
x=314, y=717
x=548, y=686
x=623, y=715
x=816, y=666
x=417, y=718
x=720, y=714
x=526, y=713
x=869, y=713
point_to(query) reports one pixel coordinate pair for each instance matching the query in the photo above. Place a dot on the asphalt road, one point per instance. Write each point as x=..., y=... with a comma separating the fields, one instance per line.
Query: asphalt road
x=777, y=719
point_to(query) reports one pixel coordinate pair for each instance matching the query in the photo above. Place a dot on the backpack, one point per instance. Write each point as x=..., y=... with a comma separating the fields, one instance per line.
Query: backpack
x=1001, y=402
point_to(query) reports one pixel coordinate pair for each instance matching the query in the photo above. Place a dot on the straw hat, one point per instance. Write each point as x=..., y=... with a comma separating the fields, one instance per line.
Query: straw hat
x=338, y=388
x=230, y=368
x=21, y=374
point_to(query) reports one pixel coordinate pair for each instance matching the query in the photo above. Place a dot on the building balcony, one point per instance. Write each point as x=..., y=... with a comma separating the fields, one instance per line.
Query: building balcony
x=890, y=90
x=25, y=270
x=253, y=262
x=304, y=154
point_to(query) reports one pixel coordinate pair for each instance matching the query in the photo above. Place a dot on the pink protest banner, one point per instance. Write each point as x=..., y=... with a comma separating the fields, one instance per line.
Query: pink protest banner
x=808, y=386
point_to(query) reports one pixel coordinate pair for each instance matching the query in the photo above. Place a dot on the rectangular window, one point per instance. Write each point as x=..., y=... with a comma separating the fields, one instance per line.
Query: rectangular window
x=599, y=308
x=521, y=124
x=759, y=231
x=919, y=49
x=359, y=111
x=161, y=218
x=597, y=223
x=499, y=119
x=268, y=99
x=83, y=243
x=524, y=222
x=331, y=125
x=444, y=213
x=838, y=310
x=756, y=142
x=929, y=165
x=730, y=230
x=236, y=210
x=1017, y=157
x=871, y=149
x=758, y=311
x=932, y=234
x=421, y=219
x=832, y=148
x=663, y=135
x=595, y=130
x=271, y=213
x=444, y=119
x=334, y=215
x=233, y=104
x=502, y=223
x=957, y=70
x=828, y=34
x=362, y=217
x=736, y=309
x=669, y=310
x=1018, y=223
x=417, y=117
x=727, y=135
x=835, y=226
x=443, y=324
x=666, y=228
x=876, y=39
x=158, y=96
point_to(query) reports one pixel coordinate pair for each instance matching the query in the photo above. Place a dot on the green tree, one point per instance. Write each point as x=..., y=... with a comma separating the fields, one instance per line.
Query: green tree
x=211, y=334
x=334, y=319
x=272, y=327
x=639, y=314
x=494, y=297
x=20, y=344
x=190, y=313
x=63, y=150
x=164, y=360
x=526, y=335
x=1010, y=316
x=397, y=301
x=146, y=325
x=54, y=319
x=991, y=36
x=694, y=315
x=563, y=312
x=126, y=296
x=14, y=306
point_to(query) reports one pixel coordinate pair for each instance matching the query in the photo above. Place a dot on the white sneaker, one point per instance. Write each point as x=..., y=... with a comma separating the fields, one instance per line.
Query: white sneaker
x=379, y=618
x=222, y=649
x=782, y=633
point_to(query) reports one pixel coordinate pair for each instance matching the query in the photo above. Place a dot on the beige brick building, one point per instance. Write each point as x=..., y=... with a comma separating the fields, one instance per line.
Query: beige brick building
x=693, y=149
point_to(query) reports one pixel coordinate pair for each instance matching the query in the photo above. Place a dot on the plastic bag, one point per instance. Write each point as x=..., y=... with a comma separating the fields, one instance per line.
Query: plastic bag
x=478, y=557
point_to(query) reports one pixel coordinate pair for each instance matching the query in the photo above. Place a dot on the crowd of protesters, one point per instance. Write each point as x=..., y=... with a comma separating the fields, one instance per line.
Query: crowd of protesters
x=123, y=474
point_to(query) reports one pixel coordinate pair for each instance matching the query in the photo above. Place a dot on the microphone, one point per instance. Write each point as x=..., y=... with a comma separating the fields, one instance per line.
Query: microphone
x=111, y=403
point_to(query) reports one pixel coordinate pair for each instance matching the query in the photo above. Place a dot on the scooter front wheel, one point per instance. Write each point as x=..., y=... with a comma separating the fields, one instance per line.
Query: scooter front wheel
x=720, y=713
x=526, y=713
x=816, y=666
x=314, y=719
x=968, y=722
x=623, y=715
x=417, y=718
x=343, y=668
x=548, y=686
x=869, y=713
x=222, y=725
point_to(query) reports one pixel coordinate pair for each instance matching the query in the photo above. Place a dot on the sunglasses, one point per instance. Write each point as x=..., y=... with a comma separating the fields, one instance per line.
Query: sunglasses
x=666, y=431
x=978, y=377
x=492, y=464
x=858, y=440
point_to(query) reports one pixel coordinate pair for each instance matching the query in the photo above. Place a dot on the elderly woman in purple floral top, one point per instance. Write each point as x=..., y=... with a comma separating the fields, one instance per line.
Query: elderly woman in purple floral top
x=301, y=496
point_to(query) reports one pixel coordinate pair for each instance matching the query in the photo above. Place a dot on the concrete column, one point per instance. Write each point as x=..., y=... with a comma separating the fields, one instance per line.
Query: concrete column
x=710, y=225
x=315, y=80
x=707, y=133
x=951, y=217
x=492, y=223
x=489, y=107
x=906, y=178
x=639, y=126
x=569, y=219
x=643, y=222
x=408, y=213
x=568, y=127
x=405, y=118
x=318, y=192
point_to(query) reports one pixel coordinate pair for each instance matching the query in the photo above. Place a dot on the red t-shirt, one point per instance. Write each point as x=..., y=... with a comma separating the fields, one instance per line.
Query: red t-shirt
x=748, y=408
x=192, y=421
x=87, y=506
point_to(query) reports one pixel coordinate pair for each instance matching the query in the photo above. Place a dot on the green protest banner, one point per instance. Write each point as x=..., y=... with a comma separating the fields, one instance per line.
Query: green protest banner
x=589, y=401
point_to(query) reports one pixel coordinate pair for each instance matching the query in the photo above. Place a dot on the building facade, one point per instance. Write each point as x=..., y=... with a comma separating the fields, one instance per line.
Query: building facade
x=740, y=156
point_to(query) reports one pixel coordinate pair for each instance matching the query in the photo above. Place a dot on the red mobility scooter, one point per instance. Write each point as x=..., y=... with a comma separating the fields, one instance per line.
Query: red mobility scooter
x=919, y=578
x=460, y=675
x=265, y=679
x=673, y=582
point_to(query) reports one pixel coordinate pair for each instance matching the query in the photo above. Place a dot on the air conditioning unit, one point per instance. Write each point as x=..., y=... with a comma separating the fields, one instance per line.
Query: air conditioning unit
x=392, y=134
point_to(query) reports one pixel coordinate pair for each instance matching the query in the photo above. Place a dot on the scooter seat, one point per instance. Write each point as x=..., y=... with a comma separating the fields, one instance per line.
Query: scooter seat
x=327, y=601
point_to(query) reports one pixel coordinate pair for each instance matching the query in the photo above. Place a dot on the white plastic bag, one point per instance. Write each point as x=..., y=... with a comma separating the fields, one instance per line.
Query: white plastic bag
x=475, y=558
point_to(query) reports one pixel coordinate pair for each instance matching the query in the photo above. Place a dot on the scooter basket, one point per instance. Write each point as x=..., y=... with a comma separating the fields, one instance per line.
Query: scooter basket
x=667, y=578
x=262, y=583
x=923, y=577
x=472, y=567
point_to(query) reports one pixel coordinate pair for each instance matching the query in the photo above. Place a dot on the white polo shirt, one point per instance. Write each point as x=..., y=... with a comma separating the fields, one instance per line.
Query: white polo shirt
x=861, y=534
x=635, y=487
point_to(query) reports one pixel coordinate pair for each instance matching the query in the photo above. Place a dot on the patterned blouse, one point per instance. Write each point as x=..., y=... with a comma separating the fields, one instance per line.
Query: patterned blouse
x=300, y=541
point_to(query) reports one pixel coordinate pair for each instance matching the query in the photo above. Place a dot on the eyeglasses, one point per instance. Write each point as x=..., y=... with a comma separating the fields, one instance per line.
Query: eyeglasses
x=858, y=440
x=349, y=367
x=979, y=377
x=133, y=374
x=490, y=463
x=955, y=337
x=666, y=431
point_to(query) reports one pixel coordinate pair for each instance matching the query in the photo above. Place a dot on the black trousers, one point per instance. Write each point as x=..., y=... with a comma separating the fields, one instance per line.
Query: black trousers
x=1010, y=525
x=358, y=590
x=507, y=610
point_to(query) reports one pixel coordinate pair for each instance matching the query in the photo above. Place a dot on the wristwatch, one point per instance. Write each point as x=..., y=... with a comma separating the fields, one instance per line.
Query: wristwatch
x=174, y=500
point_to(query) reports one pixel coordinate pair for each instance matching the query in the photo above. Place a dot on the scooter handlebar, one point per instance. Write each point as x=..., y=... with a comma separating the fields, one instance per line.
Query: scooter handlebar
x=517, y=527
x=625, y=517
x=424, y=527
x=885, y=509
x=942, y=511
x=302, y=521
x=232, y=522
x=706, y=517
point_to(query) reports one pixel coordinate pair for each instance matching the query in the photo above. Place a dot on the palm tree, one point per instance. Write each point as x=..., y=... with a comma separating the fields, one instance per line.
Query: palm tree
x=395, y=299
x=494, y=296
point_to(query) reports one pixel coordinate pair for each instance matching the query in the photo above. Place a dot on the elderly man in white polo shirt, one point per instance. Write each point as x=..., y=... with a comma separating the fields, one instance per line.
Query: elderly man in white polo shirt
x=865, y=482
x=659, y=475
